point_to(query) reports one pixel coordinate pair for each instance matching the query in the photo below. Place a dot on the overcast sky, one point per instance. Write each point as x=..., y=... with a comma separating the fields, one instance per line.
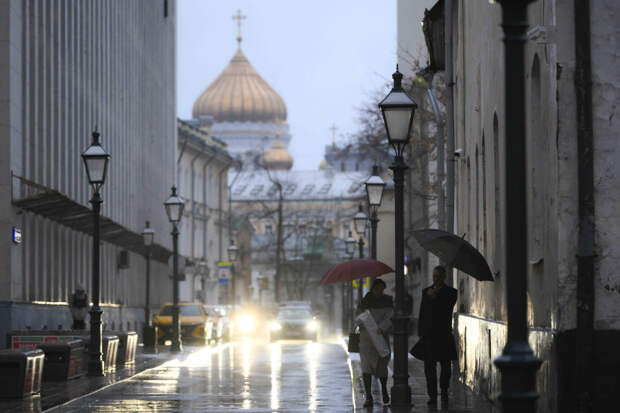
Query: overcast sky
x=324, y=57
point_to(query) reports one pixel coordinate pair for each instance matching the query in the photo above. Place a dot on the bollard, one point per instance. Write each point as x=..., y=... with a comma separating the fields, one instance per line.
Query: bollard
x=20, y=372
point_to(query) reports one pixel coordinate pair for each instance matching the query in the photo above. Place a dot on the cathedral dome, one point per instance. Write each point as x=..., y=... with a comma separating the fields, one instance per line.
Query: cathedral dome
x=278, y=157
x=240, y=94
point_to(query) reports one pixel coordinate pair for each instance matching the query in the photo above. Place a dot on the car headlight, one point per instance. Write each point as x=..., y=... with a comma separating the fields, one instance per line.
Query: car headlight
x=246, y=323
x=312, y=325
x=275, y=326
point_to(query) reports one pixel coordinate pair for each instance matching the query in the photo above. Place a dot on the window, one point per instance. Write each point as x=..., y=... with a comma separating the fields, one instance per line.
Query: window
x=290, y=188
x=307, y=189
x=257, y=190
x=325, y=189
x=239, y=189
x=268, y=229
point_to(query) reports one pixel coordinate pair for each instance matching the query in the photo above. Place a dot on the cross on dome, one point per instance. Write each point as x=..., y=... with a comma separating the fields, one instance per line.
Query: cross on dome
x=239, y=17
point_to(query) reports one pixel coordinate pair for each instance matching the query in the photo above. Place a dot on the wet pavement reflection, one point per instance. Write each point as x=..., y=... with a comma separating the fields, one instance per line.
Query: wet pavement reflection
x=243, y=376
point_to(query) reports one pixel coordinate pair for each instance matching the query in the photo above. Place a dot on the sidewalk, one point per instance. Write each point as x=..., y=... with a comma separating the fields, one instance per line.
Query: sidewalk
x=56, y=393
x=462, y=399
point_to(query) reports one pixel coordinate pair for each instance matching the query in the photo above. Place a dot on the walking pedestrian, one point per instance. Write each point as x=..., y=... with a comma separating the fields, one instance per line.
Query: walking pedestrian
x=78, y=303
x=435, y=331
x=380, y=307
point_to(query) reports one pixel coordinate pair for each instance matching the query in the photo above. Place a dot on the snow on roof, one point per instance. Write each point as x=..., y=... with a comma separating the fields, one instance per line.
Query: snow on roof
x=299, y=185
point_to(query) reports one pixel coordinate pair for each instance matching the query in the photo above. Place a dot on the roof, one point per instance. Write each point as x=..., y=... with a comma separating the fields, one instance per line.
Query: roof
x=65, y=211
x=240, y=94
x=299, y=185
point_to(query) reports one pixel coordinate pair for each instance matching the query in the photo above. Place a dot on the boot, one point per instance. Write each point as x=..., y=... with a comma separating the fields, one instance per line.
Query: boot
x=367, y=389
x=384, y=390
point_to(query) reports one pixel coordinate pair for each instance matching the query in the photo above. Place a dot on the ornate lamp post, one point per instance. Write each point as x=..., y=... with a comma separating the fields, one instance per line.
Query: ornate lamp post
x=374, y=192
x=174, y=209
x=517, y=363
x=148, y=335
x=360, y=221
x=398, y=109
x=96, y=162
x=349, y=246
x=232, y=257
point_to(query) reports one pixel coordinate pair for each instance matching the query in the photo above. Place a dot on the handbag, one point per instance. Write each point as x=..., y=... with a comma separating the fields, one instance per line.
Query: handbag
x=354, y=342
x=419, y=349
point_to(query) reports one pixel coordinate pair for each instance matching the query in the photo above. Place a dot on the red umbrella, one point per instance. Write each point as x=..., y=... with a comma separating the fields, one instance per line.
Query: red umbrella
x=354, y=270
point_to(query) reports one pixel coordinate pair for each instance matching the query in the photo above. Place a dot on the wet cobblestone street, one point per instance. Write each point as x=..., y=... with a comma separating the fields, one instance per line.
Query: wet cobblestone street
x=244, y=376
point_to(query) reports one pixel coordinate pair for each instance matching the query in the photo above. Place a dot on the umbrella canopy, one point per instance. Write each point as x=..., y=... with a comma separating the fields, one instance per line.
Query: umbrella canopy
x=455, y=252
x=354, y=270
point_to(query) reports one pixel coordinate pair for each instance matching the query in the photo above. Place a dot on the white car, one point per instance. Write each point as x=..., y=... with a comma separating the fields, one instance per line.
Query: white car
x=294, y=323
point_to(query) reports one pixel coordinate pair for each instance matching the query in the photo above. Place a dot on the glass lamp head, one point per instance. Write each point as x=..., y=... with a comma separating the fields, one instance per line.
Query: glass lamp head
x=232, y=251
x=174, y=206
x=96, y=162
x=374, y=188
x=349, y=244
x=360, y=220
x=148, y=234
x=398, y=109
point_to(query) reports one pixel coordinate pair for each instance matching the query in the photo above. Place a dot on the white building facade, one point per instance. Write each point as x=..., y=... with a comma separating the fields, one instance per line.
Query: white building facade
x=70, y=67
x=203, y=164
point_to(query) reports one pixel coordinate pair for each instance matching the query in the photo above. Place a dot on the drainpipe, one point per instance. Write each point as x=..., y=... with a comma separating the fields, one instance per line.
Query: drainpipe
x=585, y=248
x=192, y=192
x=449, y=129
x=185, y=135
x=428, y=75
x=230, y=203
x=219, y=202
x=204, y=201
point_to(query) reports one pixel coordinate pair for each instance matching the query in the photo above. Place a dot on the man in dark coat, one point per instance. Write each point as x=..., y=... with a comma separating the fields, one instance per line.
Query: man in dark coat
x=435, y=330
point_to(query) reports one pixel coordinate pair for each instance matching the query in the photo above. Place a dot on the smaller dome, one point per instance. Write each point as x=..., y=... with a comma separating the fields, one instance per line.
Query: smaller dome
x=278, y=157
x=323, y=164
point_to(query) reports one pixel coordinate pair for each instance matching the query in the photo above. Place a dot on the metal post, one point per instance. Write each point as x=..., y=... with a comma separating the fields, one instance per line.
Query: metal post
x=401, y=392
x=95, y=360
x=517, y=364
x=176, y=325
x=147, y=301
x=374, y=220
x=233, y=291
x=278, y=243
x=360, y=287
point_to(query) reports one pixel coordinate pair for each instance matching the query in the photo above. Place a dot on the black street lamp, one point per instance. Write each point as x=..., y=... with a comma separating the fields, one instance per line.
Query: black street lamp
x=232, y=257
x=517, y=364
x=148, y=234
x=96, y=162
x=149, y=337
x=374, y=193
x=360, y=221
x=349, y=247
x=174, y=208
x=398, y=109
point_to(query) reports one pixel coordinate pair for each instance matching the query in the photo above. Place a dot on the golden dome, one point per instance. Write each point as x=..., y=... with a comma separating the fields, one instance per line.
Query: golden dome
x=240, y=94
x=323, y=164
x=277, y=157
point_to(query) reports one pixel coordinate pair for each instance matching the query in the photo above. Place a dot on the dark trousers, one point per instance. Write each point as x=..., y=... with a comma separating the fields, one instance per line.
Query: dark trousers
x=430, y=371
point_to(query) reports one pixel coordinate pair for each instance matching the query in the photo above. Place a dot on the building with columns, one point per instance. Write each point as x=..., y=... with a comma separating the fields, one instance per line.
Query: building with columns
x=68, y=68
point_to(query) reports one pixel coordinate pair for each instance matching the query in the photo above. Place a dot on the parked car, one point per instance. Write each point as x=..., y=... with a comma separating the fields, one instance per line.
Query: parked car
x=294, y=322
x=195, y=323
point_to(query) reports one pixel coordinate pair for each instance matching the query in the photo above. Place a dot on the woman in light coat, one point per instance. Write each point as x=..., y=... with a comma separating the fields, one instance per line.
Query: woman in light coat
x=381, y=309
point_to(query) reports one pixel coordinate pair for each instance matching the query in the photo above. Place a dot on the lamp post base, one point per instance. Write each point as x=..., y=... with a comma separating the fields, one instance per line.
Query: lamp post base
x=95, y=359
x=518, y=366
